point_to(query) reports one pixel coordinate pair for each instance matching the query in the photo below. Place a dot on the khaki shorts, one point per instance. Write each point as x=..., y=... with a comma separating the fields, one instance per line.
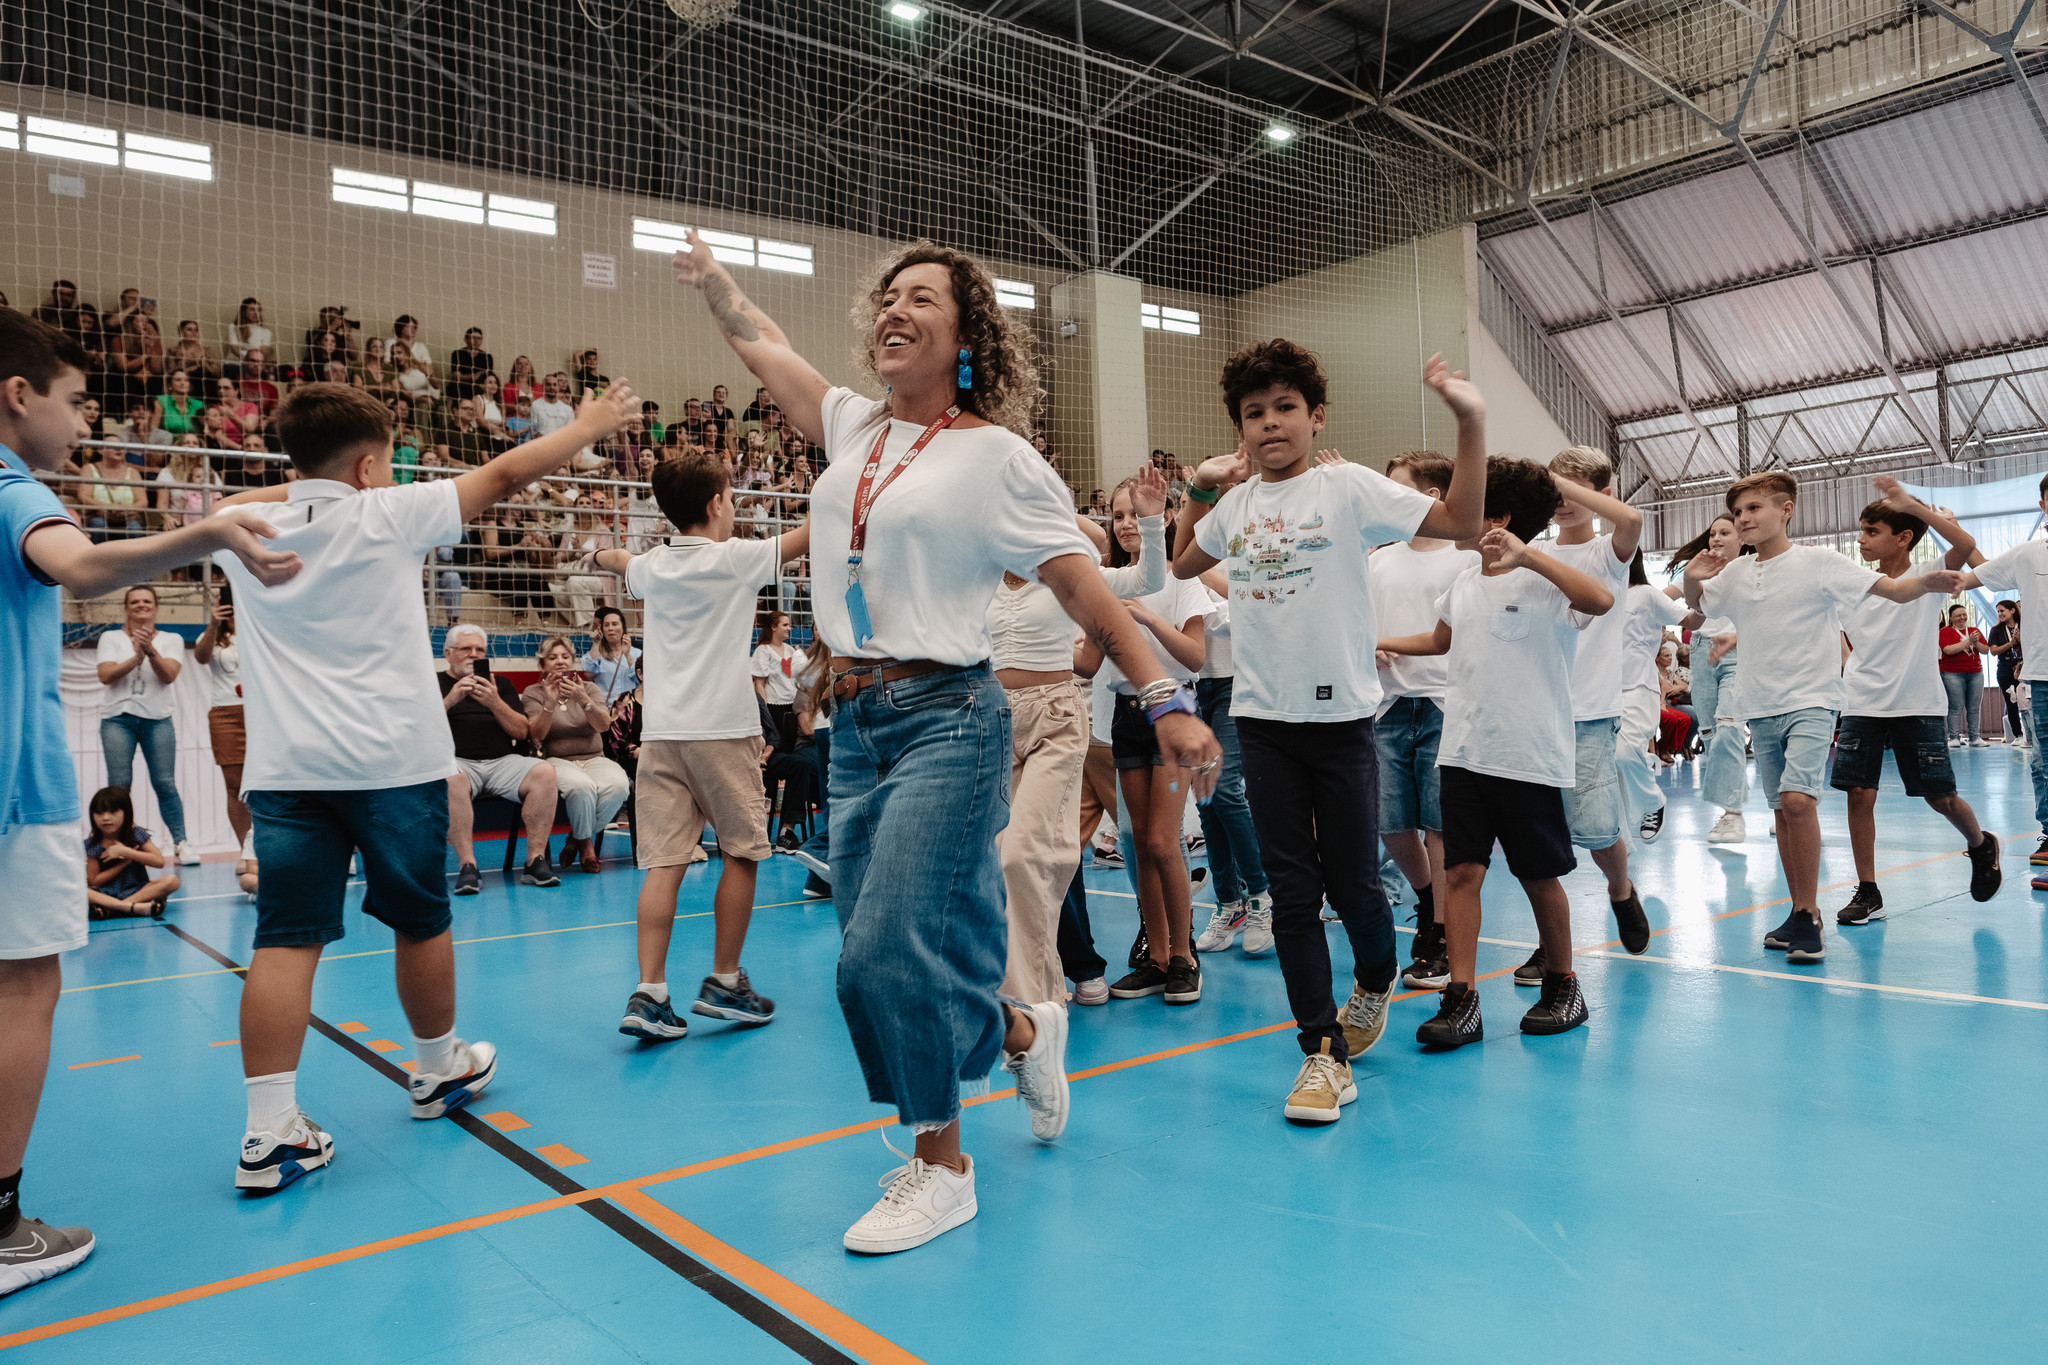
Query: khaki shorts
x=685, y=783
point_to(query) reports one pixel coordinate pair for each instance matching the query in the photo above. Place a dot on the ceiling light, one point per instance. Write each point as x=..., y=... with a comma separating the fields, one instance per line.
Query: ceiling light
x=1280, y=133
x=909, y=14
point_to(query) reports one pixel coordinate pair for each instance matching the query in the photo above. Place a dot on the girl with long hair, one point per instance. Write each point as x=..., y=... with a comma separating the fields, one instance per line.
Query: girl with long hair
x=215, y=652
x=1724, y=771
x=119, y=858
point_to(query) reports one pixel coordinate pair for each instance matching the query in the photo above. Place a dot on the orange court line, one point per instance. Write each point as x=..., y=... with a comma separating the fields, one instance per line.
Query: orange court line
x=225, y=1042
x=790, y=1297
x=353, y=1026
x=106, y=1061
x=383, y=1045
x=505, y=1121
x=559, y=1153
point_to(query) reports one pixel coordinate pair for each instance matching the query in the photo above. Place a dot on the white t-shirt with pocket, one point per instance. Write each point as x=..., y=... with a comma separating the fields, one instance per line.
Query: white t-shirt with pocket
x=1895, y=669
x=1599, y=668
x=700, y=596
x=1508, y=712
x=1787, y=611
x=1406, y=584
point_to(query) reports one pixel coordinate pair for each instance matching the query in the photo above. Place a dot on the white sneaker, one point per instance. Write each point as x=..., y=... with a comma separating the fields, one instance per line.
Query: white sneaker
x=922, y=1202
x=1980, y=743
x=188, y=856
x=1729, y=829
x=271, y=1161
x=1258, y=926
x=1321, y=1088
x=1041, y=1071
x=476, y=1067
x=1225, y=924
x=1093, y=991
x=1954, y=743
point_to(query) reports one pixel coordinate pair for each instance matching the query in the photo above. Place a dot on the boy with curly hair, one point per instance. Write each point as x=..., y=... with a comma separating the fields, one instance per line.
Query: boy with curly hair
x=1508, y=755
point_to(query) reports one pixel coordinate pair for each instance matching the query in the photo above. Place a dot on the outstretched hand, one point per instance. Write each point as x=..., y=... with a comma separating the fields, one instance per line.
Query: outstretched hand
x=1704, y=566
x=1329, y=457
x=1947, y=582
x=1224, y=471
x=1188, y=743
x=696, y=264
x=606, y=413
x=1148, y=494
x=1460, y=394
x=1501, y=548
x=1722, y=644
x=1894, y=494
x=241, y=531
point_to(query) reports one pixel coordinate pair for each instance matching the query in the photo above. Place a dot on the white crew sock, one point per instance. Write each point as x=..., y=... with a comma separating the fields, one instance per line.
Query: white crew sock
x=729, y=980
x=273, y=1102
x=436, y=1055
x=656, y=990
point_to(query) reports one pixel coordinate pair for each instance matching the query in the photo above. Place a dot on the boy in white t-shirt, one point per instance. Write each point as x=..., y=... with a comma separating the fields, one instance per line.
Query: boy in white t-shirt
x=1510, y=628
x=1892, y=697
x=1297, y=541
x=349, y=741
x=1407, y=580
x=2024, y=569
x=1784, y=602
x=700, y=735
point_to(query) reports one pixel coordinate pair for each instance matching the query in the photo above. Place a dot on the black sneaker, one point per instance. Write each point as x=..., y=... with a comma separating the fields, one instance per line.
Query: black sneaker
x=1148, y=979
x=1560, y=1009
x=1780, y=938
x=1431, y=974
x=1805, y=945
x=1183, y=981
x=787, y=841
x=1530, y=973
x=468, y=881
x=538, y=873
x=1863, y=907
x=1652, y=826
x=1456, y=1021
x=1141, y=951
x=1109, y=857
x=1631, y=921
x=1985, y=874
x=740, y=1004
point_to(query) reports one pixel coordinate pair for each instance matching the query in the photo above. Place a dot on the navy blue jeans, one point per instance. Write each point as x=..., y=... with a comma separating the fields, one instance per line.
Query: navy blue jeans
x=1227, y=820
x=158, y=739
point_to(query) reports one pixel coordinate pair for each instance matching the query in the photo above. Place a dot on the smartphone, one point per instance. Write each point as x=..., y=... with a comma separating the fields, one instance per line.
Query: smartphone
x=227, y=594
x=581, y=675
x=149, y=307
x=482, y=668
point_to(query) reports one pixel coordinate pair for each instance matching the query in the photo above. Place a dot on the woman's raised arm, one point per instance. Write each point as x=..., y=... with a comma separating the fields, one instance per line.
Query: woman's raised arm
x=795, y=385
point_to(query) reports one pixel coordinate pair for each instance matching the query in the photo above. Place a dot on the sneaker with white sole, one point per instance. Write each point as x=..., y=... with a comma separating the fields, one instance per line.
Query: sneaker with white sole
x=476, y=1067
x=1322, y=1088
x=188, y=856
x=271, y=1161
x=1093, y=991
x=1729, y=829
x=651, y=1020
x=1041, y=1071
x=1652, y=826
x=1258, y=926
x=1364, y=1018
x=922, y=1202
x=1225, y=924
x=35, y=1252
x=739, y=1004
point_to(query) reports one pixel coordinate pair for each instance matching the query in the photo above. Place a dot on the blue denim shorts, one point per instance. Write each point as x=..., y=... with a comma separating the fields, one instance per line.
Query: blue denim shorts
x=1592, y=807
x=1411, y=793
x=1792, y=751
x=303, y=844
x=1919, y=744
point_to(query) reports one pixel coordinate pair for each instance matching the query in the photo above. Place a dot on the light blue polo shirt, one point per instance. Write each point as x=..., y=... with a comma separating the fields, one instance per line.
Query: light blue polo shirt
x=37, y=786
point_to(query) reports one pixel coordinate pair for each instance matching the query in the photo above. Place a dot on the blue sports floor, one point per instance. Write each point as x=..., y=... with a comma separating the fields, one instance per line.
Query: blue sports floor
x=1736, y=1159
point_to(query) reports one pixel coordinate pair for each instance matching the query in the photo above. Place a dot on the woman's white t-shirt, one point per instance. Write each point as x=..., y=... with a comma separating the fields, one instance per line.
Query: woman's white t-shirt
x=977, y=503
x=244, y=338
x=778, y=665
x=141, y=694
x=224, y=671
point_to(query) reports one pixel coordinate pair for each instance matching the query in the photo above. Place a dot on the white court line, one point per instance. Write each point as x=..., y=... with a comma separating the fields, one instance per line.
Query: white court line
x=1822, y=980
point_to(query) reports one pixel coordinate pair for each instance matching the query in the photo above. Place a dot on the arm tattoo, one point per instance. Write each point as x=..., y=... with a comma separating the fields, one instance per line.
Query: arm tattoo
x=1105, y=638
x=729, y=308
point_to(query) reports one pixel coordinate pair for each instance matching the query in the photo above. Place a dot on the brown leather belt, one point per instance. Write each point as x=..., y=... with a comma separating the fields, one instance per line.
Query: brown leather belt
x=852, y=676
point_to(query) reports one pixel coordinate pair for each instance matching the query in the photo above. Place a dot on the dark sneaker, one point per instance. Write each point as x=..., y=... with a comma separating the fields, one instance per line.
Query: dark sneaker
x=1652, y=826
x=1456, y=1022
x=1431, y=975
x=538, y=873
x=1560, y=1009
x=816, y=888
x=1141, y=950
x=35, y=1252
x=1805, y=945
x=1146, y=979
x=740, y=1004
x=654, y=1021
x=1985, y=875
x=2039, y=857
x=787, y=839
x=1530, y=973
x=1863, y=907
x=1109, y=857
x=1183, y=981
x=468, y=881
x=1780, y=938
x=271, y=1161
x=1632, y=922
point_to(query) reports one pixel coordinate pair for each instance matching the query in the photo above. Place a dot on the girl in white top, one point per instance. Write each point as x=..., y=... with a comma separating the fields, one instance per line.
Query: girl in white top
x=774, y=667
x=1648, y=610
x=248, y=333
x=949, y=502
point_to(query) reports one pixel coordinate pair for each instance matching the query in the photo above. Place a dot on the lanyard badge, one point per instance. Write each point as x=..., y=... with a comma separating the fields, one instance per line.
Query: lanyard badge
x=864, y=501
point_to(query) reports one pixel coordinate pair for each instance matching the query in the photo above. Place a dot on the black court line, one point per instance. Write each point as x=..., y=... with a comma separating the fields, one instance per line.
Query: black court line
x=761, y=1314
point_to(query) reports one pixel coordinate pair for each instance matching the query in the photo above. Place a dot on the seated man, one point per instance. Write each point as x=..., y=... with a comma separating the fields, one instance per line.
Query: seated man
x=487, y=720
x=465, y=443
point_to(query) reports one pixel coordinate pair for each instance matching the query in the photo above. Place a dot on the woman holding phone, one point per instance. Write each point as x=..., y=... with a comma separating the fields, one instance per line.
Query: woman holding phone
x=566, y=716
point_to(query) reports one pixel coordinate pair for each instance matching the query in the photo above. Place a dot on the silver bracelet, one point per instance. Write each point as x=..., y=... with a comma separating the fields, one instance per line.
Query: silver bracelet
x=1154, y=693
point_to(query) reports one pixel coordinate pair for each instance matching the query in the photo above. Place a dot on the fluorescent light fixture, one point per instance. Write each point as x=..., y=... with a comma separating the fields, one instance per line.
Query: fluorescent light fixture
x=728, y=247
x=909, y=14
x=1016, y=294
x=77, y=141
x=166, y=156
x=446, y=201
x=522, y=215
x=369, y=191
x=789, y=257
x=651, y=234
x=1156, y=318
x=1148, y=316
x=1280, y=132
x=10, y=131
x=731, y=248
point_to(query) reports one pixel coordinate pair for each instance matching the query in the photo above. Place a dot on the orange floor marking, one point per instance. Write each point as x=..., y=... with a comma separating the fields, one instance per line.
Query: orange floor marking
x=225, y=1042
x=353, y=1027
x=106, y=1061
x=559, y=1153
x=383, y=1045
x=505, y=1121
x=792, y=1298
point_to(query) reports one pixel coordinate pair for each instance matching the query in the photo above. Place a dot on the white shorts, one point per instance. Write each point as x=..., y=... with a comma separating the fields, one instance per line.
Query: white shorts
x=44, y=910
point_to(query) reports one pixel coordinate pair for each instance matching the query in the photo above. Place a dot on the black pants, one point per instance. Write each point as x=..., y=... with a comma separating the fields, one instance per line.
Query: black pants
x=1078, y=958
x=1314, y=789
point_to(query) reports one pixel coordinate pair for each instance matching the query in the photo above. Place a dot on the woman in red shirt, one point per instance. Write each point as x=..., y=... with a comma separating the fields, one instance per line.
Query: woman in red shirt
x=1962, y=673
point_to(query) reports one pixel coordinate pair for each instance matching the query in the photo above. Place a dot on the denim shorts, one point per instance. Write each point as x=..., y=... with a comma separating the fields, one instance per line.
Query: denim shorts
x=1792, y=751
x=1410, y=790
x=1131, y=738
x=1919, y=744
x=1592, y=807
x=303, y=844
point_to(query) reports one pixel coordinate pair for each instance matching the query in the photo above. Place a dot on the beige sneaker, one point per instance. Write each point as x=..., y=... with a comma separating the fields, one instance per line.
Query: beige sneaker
x=1321, y=1088
x=1364, y=1018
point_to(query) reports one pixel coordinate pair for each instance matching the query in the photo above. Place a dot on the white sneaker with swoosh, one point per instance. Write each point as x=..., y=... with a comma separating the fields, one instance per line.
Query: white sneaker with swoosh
x=922, y=1202
x=35, y=1251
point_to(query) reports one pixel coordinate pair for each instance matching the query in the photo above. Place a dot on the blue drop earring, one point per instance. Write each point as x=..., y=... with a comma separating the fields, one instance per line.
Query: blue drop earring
x=966, y=368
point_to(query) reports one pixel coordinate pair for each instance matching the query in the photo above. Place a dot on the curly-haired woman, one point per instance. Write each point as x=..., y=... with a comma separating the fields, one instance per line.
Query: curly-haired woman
x=930, y=497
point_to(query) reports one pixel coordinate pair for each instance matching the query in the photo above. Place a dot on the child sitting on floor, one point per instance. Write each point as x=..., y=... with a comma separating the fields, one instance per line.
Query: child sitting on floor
x=117, y=862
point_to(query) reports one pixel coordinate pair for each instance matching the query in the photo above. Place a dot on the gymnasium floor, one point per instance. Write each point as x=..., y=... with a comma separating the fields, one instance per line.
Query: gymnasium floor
x=1736, y=1159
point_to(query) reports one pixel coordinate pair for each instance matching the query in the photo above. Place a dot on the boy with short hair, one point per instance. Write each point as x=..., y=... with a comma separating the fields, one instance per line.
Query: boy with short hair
x=1407, y=580
x=1510, y=627
x=1784, y=602
x=43, y=913
x=1297, y=540
x=2024, y=570
x=1892, y=697
x=700, y=734
x=348, y=743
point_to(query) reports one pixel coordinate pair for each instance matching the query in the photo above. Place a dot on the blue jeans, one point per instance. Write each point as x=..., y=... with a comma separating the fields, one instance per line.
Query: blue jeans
x=920, y=788
x=2038, y=705
x=306, y=841
x=1792, y=751
x=119, y=735
x=1963, y=690
x=1724, y=774
x=1409, y=734
x=1227, y=820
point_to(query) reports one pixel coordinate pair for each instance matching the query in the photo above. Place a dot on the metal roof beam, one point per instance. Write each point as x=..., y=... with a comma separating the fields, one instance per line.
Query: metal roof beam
x=2003, y=44
x=1723, y=379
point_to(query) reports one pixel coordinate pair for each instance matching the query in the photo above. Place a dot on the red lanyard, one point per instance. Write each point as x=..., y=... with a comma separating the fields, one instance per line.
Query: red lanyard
x=864, y=501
